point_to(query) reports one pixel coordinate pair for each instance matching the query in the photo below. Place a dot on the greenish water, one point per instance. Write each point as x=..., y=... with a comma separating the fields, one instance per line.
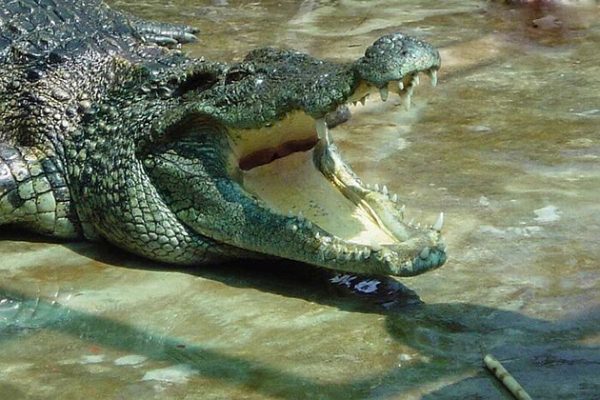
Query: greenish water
x=507, y=145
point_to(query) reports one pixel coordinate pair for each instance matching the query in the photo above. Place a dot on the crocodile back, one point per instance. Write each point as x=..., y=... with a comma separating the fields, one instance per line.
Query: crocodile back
x=56, y=53
x=49, y=32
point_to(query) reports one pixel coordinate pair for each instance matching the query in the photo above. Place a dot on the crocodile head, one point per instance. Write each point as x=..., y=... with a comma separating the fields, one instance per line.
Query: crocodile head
x=245, y=161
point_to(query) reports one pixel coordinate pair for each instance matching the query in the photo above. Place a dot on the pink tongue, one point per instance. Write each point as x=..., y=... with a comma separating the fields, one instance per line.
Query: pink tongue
x=265, y=156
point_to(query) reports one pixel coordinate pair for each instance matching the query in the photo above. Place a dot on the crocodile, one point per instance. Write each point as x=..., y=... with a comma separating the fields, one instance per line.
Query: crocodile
x=111, y=132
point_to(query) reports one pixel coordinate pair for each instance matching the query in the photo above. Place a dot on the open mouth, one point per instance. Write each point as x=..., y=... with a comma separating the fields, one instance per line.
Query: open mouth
x=294, y=170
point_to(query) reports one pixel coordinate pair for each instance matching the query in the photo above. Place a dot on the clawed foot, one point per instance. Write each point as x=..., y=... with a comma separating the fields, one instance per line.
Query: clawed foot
x=163, y=34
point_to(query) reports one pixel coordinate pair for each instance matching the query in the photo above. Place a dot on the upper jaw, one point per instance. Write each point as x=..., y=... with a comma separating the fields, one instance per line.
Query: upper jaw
x=269, y=84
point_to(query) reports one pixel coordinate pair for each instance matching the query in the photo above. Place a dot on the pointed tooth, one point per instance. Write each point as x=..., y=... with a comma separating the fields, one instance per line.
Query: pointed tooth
x=439, y=222
x=395, y=198
x=400, y=85
x=300, y=216
x=368, y=186
x=294, y=228
x=317, y=236
x=384, y=93
x=407, y=97
x=322, y=129
x=365, y=252
x=384, y=190
x=424, y=253
x=433, y=76
x=416, y=80
x=308, y=224
x=376, y=187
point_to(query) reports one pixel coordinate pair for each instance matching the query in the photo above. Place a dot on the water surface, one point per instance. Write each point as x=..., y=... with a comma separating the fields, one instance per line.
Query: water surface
x=507, y=145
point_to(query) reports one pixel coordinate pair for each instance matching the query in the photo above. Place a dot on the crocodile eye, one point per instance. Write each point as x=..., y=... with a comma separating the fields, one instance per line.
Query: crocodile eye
x=197, y=82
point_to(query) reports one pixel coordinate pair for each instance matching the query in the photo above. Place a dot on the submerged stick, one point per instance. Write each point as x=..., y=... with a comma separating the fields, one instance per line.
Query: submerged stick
x=506, y=378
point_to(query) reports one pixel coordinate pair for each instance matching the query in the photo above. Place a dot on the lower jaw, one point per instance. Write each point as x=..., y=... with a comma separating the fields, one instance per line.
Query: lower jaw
x=294, y=186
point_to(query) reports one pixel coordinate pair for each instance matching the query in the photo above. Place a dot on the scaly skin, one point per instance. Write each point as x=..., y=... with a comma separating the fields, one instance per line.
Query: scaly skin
x=105, y=134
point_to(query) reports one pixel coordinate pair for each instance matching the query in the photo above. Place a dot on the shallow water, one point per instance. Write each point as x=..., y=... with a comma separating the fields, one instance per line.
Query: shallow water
x=507, y=145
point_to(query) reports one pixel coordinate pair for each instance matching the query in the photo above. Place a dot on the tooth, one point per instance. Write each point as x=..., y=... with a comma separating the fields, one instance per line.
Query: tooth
x=385, y=190
x=407, y=101
x=395, y=198
x=300, y=216
x=439, y=222
x=322, y=130
x=424, y=253
x=376, y=187
x=384, y=93
x=317, y=236
x=368, y=186
x=406, y=98
x=400, y=85
x=441, y=245
x=433, y=76
x=416, y=80
x=308, y=224
x=294, y=228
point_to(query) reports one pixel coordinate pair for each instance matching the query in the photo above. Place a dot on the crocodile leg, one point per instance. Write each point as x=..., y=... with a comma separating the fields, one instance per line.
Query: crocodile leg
x=164, y=34
x=33, y=193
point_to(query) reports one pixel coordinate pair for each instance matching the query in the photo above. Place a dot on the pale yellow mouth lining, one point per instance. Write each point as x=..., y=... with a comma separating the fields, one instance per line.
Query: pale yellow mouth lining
x=294, y=186
x=277, y=166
